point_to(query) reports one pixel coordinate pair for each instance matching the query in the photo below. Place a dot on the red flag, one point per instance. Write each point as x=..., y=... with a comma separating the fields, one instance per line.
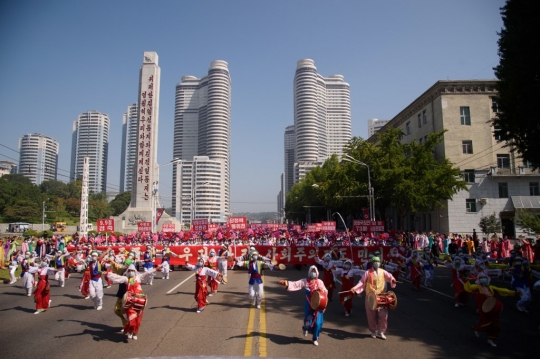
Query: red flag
x=365, y=213
x=159, y=213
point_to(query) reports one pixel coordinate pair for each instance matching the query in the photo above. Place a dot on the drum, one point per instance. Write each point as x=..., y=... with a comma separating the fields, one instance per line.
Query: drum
x=492, y=306
x=135, y=302
x=282, y=266
x=274, y=262
x=319, y=300
x=383, y=300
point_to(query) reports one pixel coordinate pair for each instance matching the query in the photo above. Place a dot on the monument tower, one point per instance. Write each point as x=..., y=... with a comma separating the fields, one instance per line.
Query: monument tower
x=145, y=177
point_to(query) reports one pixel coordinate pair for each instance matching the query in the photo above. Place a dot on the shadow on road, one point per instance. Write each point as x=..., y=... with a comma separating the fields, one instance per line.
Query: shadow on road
x=343, y=335
x=102, y=333
x=22, y=309
x=275, y=338
x=173, y=308
x=78, y=307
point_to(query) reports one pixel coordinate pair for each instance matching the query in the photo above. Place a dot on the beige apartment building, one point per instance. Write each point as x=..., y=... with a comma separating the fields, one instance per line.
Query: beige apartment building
x=498, y=181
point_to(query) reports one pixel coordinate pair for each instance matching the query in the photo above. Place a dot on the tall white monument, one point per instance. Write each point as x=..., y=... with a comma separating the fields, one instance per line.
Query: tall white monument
x=83, y=222
x=145, y=176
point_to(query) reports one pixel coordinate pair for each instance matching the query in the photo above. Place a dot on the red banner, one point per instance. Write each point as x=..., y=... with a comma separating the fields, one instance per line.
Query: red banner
x=213, y=227
x=361, y=225
x=105, y=225
x=144, y=226
x=282, y=254
x=168, y=227
x=200, y=225
x=328, y=226
x=237, y=223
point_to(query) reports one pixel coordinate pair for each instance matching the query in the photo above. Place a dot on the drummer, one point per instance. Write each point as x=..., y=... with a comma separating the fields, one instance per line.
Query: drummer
x=133, y=281
x=373, y=282
x=488, y=312
x=313, y=317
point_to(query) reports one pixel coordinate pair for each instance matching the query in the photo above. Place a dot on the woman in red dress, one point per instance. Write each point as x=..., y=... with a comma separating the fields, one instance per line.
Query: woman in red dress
x=201, y=292
x=42, y=294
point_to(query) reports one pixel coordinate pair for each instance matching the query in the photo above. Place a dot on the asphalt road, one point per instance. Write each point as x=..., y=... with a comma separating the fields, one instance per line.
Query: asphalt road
x=424, y=325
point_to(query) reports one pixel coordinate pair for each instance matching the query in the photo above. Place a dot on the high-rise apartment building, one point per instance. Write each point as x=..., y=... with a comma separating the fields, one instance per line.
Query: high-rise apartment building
x=375, y=125
x=90, y=138
x=38, y=159
x=290, y=146
x=202, y=125
x=322, y=117
x=8, y=167
x=129, y=147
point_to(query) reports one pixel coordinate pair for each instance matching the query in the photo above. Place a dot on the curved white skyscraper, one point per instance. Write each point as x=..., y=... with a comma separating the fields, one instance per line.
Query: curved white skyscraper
x=202, y=132
x=128, y=156
x=322, y=116
x=91, y=139
x=38, y=159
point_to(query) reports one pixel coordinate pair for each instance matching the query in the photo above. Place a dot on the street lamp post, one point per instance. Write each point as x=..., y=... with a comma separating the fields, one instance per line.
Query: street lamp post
x=371, y=192
x=43, y=215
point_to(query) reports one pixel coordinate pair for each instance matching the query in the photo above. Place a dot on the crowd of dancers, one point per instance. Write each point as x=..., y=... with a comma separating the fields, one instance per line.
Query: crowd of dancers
x=472, y=273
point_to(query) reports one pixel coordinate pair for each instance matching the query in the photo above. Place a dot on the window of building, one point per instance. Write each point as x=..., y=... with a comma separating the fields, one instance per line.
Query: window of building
x=503, y=190
x=419, y=120
x=470, y=205
x=494, y=105
x=496, y=133
x=420, y=140
x=408, y=128
x=527, y=164
x=468, y=176
x=534, y=189
x=465, y=115
x=424, y=116
x=503, y=161
x=467, y=146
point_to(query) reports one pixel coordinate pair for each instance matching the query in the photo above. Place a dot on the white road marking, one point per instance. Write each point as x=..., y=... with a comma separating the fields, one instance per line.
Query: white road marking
x=185, y=280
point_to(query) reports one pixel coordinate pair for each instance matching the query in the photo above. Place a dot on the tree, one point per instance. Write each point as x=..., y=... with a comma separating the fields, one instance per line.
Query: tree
x=529, y=221
x=518, y=117
x=98, y=209
x=54, y=189
x=490, y=224
x=24, y=211
x=406, y=176
x=120, y=203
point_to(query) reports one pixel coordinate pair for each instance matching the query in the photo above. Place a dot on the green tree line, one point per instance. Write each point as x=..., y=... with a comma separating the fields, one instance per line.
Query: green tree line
x=21, y=200
x=406, y=177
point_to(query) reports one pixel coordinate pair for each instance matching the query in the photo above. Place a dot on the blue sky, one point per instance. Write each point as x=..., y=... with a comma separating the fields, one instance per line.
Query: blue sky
x=61, y=58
